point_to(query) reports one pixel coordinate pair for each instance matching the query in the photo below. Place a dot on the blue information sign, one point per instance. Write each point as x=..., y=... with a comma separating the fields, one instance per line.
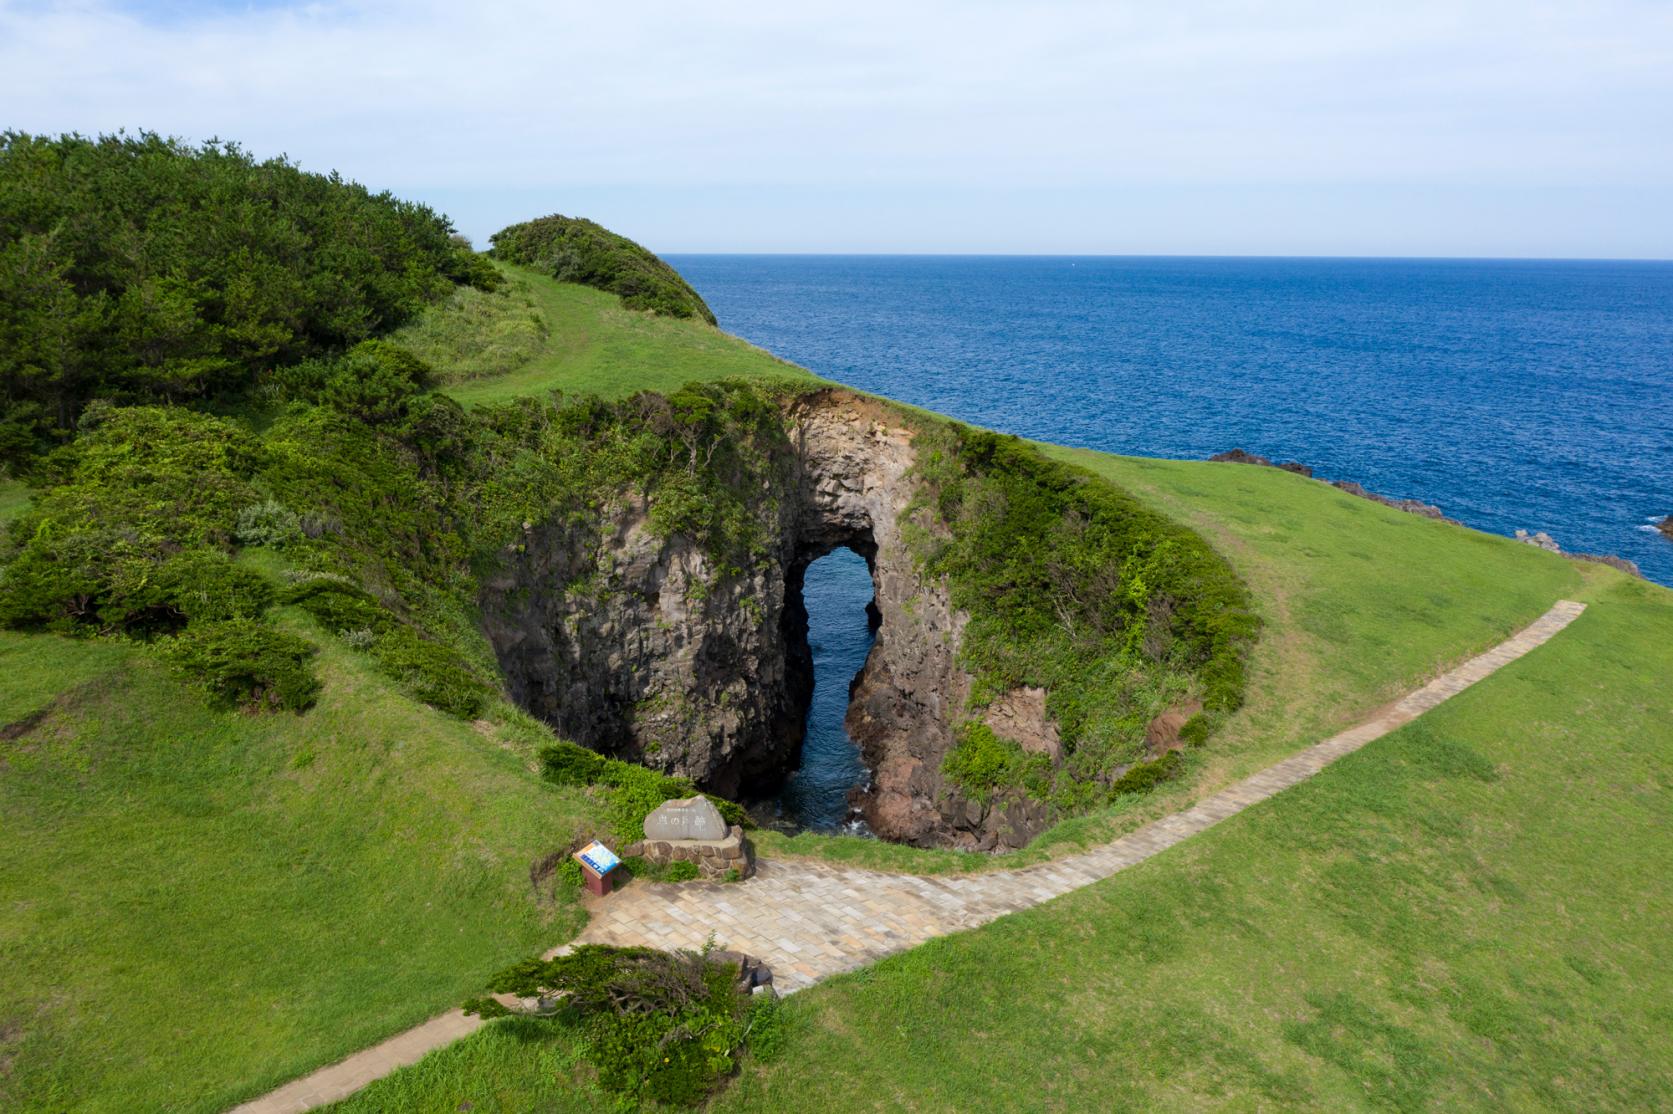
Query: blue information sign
x=599, y=857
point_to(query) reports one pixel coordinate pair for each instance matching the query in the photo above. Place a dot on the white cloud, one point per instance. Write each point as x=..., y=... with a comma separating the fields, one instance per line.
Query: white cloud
x=868, y=95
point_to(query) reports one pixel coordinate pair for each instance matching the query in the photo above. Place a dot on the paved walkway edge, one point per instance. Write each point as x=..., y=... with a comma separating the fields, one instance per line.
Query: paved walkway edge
x=809, y=920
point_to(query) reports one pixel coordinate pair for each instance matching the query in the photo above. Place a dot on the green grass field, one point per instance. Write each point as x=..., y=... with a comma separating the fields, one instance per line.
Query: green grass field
x=1468, y=914
x=201, y=905
x=198, y=905
x=588, y=344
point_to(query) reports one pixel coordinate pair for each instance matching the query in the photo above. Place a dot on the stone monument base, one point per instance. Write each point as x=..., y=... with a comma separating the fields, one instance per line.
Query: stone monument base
x=714, y=857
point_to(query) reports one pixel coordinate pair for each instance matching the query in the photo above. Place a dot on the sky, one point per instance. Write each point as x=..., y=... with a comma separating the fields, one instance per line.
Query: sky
x=1291, y=127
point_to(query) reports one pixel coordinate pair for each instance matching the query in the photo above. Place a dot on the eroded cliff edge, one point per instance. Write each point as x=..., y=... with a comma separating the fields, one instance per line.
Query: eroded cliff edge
x=686, y=649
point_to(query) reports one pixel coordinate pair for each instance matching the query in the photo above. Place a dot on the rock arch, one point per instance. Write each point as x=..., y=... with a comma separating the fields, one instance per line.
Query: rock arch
x=641, y=647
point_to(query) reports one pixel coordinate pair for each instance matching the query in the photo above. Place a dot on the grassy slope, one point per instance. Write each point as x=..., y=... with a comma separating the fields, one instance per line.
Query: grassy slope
x=200, y=905
x=594, y=346
x=1468, y=914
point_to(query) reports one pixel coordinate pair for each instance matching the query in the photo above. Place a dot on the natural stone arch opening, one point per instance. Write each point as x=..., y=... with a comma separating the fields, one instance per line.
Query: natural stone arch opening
x=649, y=649
x=832, y=618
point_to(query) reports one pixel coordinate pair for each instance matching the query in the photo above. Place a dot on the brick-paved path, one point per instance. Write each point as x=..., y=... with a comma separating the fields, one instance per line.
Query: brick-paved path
x=809, y=920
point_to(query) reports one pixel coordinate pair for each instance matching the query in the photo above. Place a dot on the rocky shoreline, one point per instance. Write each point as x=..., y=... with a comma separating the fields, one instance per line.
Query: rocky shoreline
x=1428, y=510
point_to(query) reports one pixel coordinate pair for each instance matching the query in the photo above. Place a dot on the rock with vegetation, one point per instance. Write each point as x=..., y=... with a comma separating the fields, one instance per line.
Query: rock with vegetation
x=571, y=249
x=1001, y=580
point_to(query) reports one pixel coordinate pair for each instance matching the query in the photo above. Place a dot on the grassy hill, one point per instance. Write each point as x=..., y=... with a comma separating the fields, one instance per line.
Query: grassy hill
x=534, y=335
x=200, y=904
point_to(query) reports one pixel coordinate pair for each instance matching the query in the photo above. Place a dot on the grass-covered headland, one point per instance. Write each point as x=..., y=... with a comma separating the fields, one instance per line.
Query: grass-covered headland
x=263, y=435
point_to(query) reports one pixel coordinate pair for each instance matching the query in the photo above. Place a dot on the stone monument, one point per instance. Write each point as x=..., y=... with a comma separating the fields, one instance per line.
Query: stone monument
x=693, y=831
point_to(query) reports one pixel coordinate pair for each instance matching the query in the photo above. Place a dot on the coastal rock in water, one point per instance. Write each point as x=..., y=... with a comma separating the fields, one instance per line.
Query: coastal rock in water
x=1410, y=506
x=692, y=818
x=1666, y=526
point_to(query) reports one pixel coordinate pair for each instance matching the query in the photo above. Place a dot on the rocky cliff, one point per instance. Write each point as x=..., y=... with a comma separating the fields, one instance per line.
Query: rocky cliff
x=655, y=645
x=649, y=648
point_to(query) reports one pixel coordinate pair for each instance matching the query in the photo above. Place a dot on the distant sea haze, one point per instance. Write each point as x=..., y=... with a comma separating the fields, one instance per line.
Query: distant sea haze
x=1513, y=394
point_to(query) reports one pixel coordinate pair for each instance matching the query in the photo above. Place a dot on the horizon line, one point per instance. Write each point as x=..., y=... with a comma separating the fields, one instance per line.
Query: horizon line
x=789, y=253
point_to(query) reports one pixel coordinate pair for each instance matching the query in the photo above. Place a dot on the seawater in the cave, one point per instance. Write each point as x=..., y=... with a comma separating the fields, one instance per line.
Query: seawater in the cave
x=837, y=589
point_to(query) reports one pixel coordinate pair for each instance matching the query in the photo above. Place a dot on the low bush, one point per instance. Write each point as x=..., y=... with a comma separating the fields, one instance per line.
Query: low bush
x=666, y=1027
x=269, y=522
x=981, y=761
x=431, y=672
x=635, y=791
x=1144, y=776
x=142, y=486
x=338, y=604
x=247, y=664
x=571, y=249
x=1194, y=732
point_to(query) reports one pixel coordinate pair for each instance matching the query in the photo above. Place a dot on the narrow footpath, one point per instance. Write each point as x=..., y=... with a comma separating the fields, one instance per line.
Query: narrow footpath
x=811, y=920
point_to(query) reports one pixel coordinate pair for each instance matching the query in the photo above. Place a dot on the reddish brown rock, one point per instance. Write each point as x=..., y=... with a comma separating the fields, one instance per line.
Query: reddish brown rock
x=1021, y=715
x=1162, y=733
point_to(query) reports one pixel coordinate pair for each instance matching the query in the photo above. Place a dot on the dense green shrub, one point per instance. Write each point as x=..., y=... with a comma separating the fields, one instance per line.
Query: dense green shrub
x=1074, y=586
x=1143, y=776
x=246, y=664
x=567, y=764
x=981, y=761
x=139, y=489
x=431, y=672
x=337, y=603
x=1194, y=731
x=139, y=268
x=635, y=790
x=268, y=522
x=571, y=249
x=661, y=1026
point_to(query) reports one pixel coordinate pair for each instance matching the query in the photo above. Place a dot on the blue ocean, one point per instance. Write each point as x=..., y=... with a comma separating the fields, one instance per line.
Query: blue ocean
x=1512, y=394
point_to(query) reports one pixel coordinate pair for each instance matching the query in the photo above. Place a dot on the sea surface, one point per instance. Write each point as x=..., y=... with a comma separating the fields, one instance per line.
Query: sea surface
x=1513, y=394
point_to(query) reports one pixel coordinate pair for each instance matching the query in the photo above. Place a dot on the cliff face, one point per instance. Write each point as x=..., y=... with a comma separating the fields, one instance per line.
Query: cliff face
x=647, y=648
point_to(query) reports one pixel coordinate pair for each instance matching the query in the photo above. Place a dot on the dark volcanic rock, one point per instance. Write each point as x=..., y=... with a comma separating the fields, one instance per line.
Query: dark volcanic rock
x=1410, y=506
x=1238, y=456
x=1545, y=541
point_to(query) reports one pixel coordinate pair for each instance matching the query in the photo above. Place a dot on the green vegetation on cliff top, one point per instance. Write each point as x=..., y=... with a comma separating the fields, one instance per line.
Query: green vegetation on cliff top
x=575, y=250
